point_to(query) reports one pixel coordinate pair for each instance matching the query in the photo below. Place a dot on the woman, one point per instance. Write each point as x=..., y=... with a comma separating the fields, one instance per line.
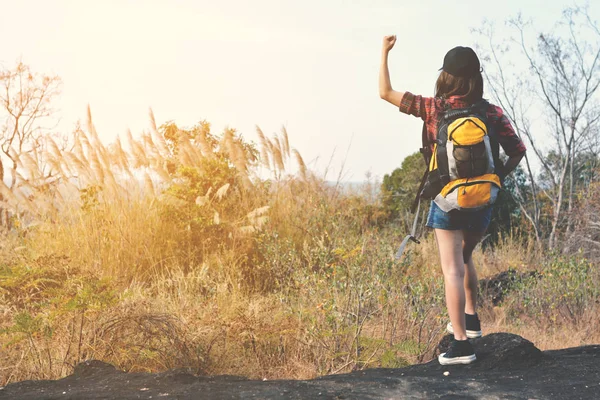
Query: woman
x=459, y=85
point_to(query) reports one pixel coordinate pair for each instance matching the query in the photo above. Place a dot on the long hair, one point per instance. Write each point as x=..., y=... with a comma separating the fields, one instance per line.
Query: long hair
x=471, y=89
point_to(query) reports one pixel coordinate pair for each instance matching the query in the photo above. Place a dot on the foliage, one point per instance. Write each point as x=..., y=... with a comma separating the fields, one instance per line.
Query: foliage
x=563, y=291
x=506, y=209
x=562, y=74
x=399, y=188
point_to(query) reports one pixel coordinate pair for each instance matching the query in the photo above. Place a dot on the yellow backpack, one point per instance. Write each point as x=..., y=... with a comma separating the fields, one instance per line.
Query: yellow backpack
x=461, y=172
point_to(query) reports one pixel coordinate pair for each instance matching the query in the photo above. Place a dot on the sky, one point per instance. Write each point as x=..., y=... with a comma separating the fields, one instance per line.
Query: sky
x=311, y=66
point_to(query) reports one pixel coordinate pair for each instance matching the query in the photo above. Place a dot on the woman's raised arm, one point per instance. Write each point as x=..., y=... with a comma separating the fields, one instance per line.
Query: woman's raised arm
x=385, y=86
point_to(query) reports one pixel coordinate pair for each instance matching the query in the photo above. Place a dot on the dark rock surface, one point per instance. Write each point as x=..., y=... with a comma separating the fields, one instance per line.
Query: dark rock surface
x=507, y=367
x=496, y=287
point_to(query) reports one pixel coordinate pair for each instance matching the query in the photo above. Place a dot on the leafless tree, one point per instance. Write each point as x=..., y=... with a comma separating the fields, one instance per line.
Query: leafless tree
x=561, y=83
x=26, y=103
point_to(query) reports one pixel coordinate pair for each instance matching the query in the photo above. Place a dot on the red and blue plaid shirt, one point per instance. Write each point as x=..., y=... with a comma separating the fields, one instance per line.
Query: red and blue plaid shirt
x=430, y=108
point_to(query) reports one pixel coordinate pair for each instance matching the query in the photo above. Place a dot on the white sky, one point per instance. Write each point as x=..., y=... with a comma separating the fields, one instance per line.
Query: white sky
x=310, y=65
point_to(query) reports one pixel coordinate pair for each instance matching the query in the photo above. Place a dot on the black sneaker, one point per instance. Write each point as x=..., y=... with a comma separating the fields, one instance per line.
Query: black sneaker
x=472, y=324
x=460, y=352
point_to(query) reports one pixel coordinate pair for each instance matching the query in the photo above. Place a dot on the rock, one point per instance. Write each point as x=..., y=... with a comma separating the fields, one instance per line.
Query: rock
x=93, y=367
x=497, y=286
x=499, y=350
x=507, y=367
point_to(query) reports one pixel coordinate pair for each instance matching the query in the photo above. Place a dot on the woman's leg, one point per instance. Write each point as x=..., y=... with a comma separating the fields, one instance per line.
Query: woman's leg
x=450, y=245
x=470, y=240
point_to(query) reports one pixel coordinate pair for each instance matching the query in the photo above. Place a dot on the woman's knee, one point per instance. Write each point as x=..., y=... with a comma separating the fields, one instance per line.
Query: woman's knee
x=454, y=270
x=470, y=241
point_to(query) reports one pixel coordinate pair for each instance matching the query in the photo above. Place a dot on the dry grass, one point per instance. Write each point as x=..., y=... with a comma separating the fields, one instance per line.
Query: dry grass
x=170, y=251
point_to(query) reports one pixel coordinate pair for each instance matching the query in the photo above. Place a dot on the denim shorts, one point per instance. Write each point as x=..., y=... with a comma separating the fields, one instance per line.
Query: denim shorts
x=473, y=221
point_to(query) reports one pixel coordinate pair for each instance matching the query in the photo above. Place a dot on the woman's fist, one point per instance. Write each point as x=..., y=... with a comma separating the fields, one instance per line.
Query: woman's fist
x=388, y=42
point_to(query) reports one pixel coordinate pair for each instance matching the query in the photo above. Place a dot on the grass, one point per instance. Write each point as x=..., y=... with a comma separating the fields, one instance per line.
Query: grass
x=172, y=252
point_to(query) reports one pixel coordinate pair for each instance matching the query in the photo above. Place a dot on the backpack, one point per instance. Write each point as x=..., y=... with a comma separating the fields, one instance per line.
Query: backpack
x=462, y=168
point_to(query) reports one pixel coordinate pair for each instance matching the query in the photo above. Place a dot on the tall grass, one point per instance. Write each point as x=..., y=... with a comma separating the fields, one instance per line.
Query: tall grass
x=187, y=249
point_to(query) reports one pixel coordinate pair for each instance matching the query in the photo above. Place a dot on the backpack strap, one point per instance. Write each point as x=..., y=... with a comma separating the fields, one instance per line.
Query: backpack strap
x=482, y=107
x=442, y=139
x=427, y=153
x=425, y=144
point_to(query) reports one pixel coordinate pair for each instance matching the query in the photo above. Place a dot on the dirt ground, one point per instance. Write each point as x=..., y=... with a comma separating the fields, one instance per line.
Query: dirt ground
x=508, y=367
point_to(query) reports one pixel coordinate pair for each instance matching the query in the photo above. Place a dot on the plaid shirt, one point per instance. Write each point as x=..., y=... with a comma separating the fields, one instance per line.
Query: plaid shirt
x=429, y=109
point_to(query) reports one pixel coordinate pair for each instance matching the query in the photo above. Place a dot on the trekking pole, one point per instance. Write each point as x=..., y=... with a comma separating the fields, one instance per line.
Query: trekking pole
x=416, y=205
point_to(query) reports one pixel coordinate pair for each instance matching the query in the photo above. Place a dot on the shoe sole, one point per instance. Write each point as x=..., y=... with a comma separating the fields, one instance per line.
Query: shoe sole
x=470, y=334
x=456, y=360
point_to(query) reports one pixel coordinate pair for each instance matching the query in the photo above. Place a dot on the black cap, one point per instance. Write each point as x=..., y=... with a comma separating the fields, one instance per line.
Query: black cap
x=461, y=62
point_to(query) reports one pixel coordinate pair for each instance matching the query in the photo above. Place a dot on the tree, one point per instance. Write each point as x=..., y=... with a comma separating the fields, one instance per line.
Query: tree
x=506, y=207
x=26, y=102
x=561, y=82
x=400, y=187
